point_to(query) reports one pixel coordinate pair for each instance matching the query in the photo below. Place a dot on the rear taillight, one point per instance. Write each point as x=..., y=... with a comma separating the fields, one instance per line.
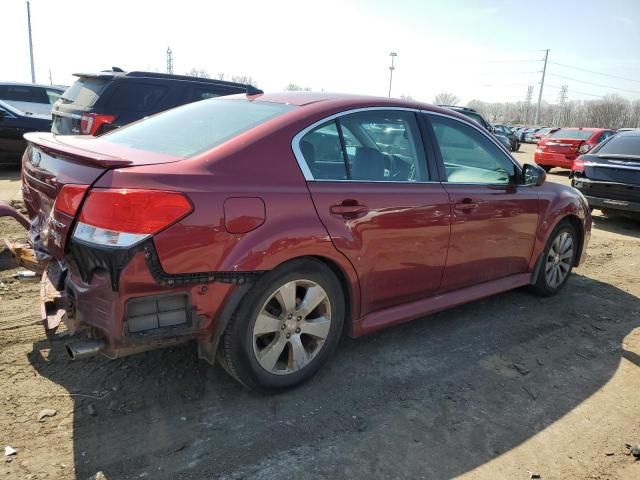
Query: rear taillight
x=578, y=165
x=121, y=217
x=90, y=123
x=69, y=199
x=585, y=147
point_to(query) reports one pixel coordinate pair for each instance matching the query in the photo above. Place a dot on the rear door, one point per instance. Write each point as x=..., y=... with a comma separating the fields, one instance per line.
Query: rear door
x=494, y=219
x=374, y=193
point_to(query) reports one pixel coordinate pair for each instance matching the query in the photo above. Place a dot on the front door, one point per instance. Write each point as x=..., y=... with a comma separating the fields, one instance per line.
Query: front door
x=494, y=217
x=371, y=186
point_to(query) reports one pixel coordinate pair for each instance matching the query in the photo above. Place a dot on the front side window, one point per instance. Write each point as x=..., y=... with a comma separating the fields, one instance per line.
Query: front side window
x=375, y=145
x=469, y=156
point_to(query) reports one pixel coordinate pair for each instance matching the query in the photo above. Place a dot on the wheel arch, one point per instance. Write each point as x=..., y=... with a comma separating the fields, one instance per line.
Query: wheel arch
x=207, y=349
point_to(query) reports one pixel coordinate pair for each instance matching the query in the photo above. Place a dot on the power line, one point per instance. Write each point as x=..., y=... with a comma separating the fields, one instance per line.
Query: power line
x=596, y=73
x=576, y=91
x=493, y=61
x=594, y=84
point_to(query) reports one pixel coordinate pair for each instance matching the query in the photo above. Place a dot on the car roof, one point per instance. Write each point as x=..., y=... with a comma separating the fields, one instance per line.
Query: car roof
x=629, y=133
x=40, y=85
x=113, y=74
x=587, y=129
x=345, y=101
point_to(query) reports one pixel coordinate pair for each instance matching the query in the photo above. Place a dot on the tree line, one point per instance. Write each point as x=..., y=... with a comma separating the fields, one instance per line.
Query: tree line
x=610, y=111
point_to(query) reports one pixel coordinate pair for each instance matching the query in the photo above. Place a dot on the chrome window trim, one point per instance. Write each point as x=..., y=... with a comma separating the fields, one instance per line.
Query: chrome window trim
x=486, y=134
x=306, y=171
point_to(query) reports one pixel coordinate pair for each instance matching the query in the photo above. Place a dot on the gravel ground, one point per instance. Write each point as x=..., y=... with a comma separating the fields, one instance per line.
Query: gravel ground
x=506, y=387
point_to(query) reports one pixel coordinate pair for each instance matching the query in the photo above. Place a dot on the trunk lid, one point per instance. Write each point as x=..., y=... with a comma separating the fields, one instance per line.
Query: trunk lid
x=49, y=163
x=566, y=146
x=613, y=168
x=566, y=141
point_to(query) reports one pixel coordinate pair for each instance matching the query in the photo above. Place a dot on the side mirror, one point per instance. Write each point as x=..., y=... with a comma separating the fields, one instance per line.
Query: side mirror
x=533, y=175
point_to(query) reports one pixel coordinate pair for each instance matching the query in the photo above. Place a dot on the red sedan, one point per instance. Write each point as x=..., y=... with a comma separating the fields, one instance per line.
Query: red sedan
x=265, y=226
x=561, y=148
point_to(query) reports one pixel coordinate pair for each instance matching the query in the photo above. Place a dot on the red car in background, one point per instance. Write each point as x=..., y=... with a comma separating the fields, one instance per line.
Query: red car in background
x=263, y=226
x=561, y=148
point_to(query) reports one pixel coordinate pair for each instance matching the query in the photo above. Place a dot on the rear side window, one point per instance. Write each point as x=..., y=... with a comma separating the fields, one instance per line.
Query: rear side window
x=23, y=93
x=85, y=91
x=195, y=127
x=621, y=145
x=572, y=134
x=379, y=146
x=136, y=97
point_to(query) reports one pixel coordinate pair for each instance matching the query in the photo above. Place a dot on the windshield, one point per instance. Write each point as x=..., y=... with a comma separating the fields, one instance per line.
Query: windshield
x=196, y=127
x=572, y=134
x=622, y=145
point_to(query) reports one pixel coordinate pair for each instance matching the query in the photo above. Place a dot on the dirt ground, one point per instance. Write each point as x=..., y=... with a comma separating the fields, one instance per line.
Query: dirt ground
x=502, y=388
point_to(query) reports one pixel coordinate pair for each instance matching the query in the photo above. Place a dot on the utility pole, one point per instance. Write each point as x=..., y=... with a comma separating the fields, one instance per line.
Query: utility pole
x=33, y=70
x=50, y=77
x=169, y=60
x=393, y=55
x=527, y=101
x=562, y=98
x=544, y=71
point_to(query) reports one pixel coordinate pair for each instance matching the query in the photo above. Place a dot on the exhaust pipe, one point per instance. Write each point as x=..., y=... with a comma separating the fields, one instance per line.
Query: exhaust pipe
x=84, y=349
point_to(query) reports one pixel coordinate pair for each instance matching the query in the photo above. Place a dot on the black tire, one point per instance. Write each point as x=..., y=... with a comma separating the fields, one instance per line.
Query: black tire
x=236, y=351
x=542, y=286
x=546, y=168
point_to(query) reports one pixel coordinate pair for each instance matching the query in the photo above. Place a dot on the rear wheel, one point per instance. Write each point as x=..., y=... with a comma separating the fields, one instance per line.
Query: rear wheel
x=546, y=168
x=557, y=260
x=286, y=328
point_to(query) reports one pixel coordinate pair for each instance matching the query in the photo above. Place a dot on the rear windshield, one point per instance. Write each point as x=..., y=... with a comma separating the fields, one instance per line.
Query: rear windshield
x=196, y=127
x=572, y=134
x=622, y=145
x=85, y=91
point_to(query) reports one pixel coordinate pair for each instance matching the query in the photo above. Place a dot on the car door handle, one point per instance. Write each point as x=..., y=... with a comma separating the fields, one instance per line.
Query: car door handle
x=348, y=210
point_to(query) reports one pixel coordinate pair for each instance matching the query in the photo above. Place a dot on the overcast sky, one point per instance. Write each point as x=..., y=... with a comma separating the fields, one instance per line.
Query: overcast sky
x=487, y=50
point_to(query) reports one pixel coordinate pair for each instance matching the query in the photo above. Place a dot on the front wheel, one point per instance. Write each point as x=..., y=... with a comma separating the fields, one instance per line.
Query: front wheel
x=557, y=260
x=286, y=328
x=546, y=168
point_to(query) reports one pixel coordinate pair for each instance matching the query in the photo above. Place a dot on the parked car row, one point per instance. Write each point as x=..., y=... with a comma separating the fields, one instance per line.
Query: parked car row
x=24, y=108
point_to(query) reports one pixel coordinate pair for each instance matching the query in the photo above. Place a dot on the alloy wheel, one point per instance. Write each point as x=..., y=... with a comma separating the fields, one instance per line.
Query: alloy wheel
x=292, y=327
x=559, y=259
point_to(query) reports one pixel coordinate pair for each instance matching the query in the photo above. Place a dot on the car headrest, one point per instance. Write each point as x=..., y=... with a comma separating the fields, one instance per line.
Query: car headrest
x=368, y=164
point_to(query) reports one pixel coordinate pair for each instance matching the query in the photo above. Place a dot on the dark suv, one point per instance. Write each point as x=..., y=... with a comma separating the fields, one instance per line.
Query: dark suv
x=471, y=113
x=99, y=102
